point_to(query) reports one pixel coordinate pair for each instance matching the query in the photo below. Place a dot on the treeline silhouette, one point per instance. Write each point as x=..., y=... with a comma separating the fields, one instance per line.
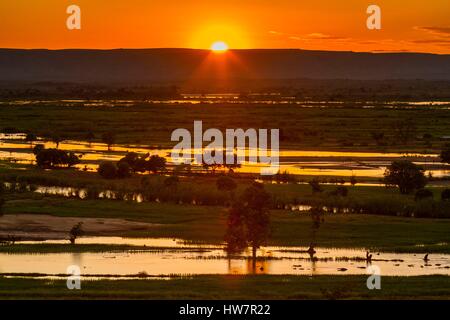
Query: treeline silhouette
x=88, y=92
x=270, y=89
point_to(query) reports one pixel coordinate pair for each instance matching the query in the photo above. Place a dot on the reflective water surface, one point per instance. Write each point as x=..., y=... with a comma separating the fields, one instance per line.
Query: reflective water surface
x=298, y=162
x=165, y=257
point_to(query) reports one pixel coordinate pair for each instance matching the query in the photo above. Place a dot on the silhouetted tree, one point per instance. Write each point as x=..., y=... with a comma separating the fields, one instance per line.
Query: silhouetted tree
x=90, y=136
x=445, y=195
x=72, y=159
x=445, y=154
x=404, y=130
x=315, y=185
x=317, y=218
x=406, y=175
x=156, y=164
x=107, y=170
x=57, y=139
x=378, y=137
x=38, y=148
x=248, y=220
x=123, y=170
x=136, y=162
x=50, y=158
x=353, y=180
x=2, y=200
x=30, y=137
x=109, y=139
x=75, y=232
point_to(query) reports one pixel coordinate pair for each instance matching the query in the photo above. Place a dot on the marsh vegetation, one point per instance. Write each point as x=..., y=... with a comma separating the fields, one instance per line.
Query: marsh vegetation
x=356, y=174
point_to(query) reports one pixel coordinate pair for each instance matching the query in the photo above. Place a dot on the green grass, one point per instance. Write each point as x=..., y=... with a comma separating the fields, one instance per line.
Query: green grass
x=337, y=128
x=207, y=224
x=202, y=189
x=232, y=287
x=77, y=248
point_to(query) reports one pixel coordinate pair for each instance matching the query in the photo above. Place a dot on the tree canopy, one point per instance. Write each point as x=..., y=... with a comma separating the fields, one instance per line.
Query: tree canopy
x=131, y=162
x=406, y=175
x=445, y=154
x=50, y=158
x=248, y=220
x=143, y=163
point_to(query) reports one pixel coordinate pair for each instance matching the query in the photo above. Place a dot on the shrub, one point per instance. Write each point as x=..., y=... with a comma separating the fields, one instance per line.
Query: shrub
x=11, y=130
x=92, y=192
x=445, y=195
x=445, y=154
x=123, y=170
x=109, y=139
x=50, y=158
x=225, y=184
x=315, y=185
x=2, y=201
x=353, y=180
x=285, y=177
x=340, y=191
x=30, y=137
x=432, y=209
x=38, y=148
x=423, y=194
x=107, y=170
x=156, y=163
x=138, y=163
x=171, y=182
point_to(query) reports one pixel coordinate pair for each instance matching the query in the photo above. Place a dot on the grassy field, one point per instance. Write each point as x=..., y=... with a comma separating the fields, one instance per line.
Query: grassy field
x=207, y=224
x=232, y=287
x=344, y=128
x=202, y=189
x=331, y=128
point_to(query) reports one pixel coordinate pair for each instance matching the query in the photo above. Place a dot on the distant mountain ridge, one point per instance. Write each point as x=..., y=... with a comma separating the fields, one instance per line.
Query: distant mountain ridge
x=162, y=65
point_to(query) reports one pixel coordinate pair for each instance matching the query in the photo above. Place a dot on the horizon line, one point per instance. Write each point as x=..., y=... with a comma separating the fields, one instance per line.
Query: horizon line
x=231, y=49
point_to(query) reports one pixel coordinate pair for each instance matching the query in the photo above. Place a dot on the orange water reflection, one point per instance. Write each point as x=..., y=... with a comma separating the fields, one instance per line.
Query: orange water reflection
x=321, y=163
x=175, y=257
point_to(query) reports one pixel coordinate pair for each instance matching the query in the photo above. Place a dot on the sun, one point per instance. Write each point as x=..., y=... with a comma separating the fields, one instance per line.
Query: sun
x=219, y=46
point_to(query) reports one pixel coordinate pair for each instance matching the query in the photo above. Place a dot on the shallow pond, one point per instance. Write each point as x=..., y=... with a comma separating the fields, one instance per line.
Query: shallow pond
x=165, y=257
x=297, y=162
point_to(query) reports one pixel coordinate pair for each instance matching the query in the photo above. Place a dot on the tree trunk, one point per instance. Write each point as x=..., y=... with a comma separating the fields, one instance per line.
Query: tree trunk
x=254, y=259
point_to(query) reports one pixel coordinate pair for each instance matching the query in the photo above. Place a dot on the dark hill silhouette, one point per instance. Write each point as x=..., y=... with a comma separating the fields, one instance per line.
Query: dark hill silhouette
x=160, y=65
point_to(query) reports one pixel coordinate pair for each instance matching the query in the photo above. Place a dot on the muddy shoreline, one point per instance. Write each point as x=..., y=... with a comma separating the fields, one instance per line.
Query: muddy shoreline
x=37, y=227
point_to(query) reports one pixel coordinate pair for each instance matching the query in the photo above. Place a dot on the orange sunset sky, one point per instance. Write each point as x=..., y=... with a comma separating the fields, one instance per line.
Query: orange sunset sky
x=413, y=25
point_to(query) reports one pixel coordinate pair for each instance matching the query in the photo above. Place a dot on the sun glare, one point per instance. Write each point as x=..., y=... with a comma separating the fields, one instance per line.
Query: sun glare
x=219, y=46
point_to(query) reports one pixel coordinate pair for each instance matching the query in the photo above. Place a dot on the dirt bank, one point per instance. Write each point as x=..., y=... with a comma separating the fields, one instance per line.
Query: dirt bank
x=43, y=227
